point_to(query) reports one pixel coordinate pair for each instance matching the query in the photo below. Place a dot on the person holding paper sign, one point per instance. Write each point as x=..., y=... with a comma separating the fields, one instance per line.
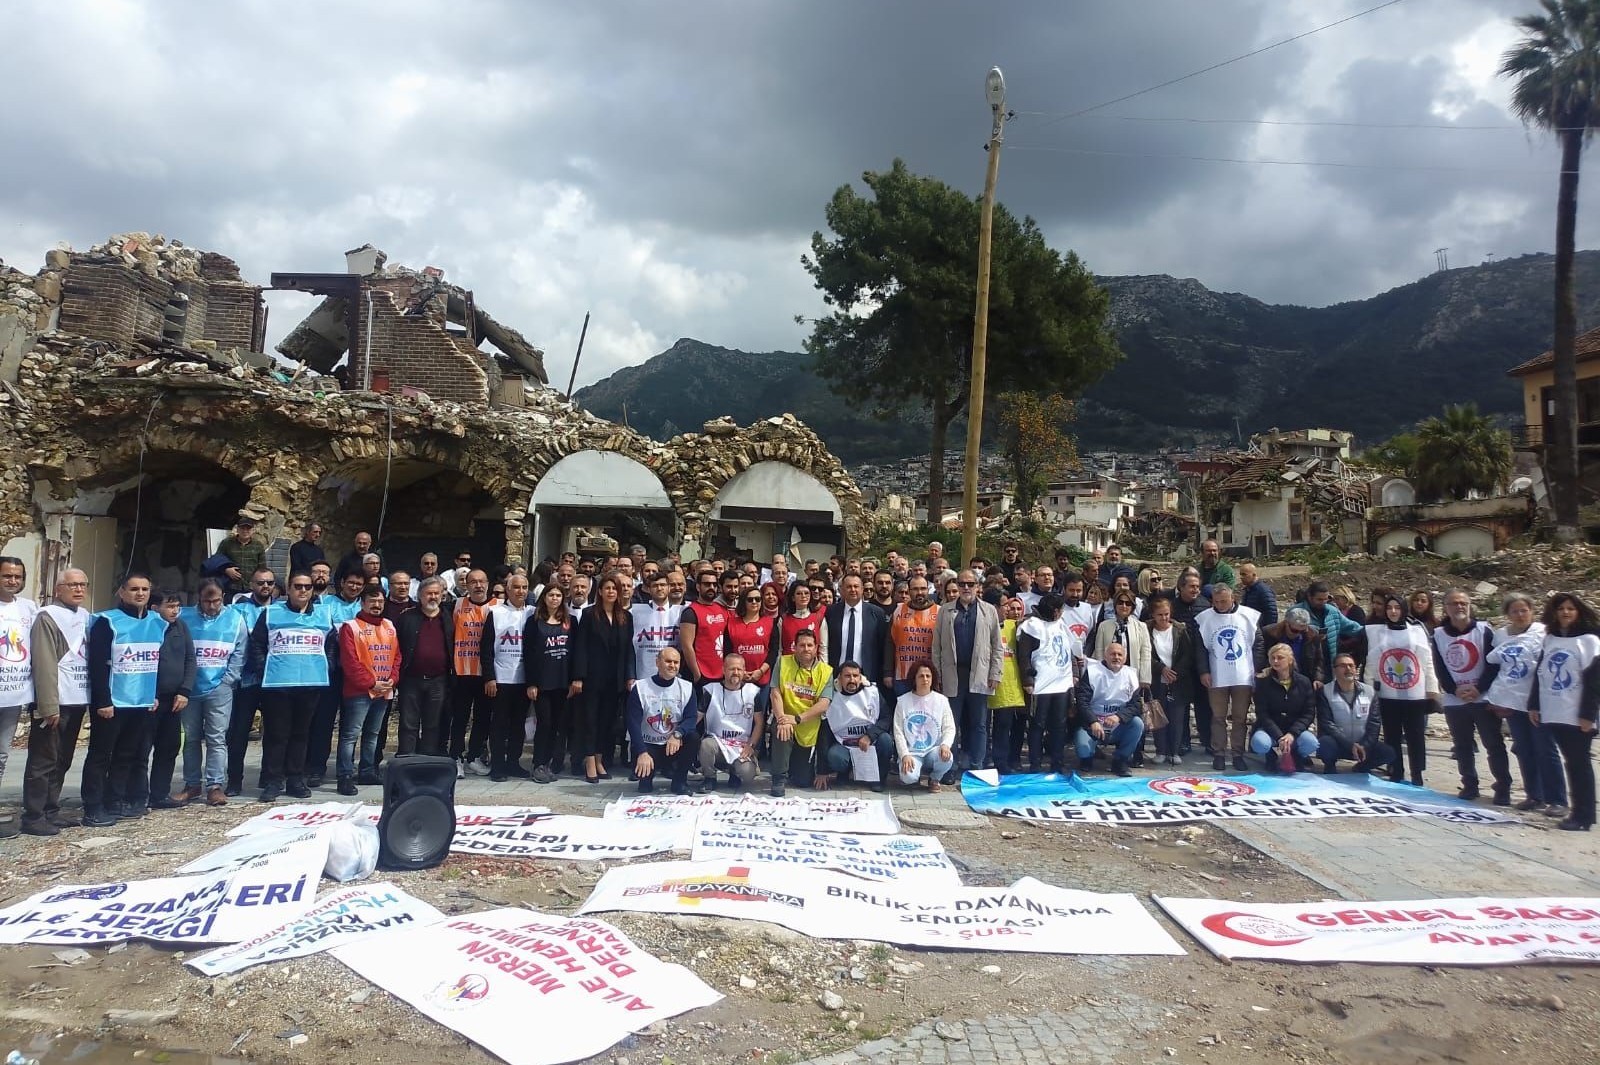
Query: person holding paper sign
x=924, y=730
x=661, y=717
x=734, y=718
x=856, y=724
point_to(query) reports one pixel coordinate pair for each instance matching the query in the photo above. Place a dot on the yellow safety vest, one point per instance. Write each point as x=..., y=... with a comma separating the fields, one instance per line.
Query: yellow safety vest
x=798, y=690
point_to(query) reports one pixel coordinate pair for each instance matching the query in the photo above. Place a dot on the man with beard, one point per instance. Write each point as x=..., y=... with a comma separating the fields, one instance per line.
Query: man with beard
x=701, y=627
x=968, y=660
x=800, y=700
x=290, y=644
x=360, y=547
x=61, y=698
x=910, y=636
x=469, y=706
x=733, y=724
x=307, y=551
x=858, y=716
x=247, y=697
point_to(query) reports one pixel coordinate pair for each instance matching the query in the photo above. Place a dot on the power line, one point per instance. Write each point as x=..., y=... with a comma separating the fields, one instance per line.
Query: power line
x=1226, y=62
x=1274, y=162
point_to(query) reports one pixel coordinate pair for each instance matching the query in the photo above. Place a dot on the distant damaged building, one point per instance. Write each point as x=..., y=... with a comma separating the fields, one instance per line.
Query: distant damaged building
x=140, y=416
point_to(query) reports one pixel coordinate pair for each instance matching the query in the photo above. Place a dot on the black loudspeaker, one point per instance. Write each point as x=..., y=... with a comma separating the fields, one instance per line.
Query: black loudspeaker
x=419, y=811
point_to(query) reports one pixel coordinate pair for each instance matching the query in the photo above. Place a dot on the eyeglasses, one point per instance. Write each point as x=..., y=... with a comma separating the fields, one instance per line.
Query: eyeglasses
x=75, y=584
x=966, y=584
x=258, y=584
x=300, y=587
x=752, y=599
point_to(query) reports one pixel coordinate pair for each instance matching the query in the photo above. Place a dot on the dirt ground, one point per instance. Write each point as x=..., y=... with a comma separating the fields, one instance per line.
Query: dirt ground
x=1216, y=1012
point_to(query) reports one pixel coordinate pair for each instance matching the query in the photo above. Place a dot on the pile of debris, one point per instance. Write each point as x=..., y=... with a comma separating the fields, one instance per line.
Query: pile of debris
x=154, y=256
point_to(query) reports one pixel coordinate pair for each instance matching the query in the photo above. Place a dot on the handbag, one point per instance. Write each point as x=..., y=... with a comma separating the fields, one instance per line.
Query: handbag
x=1155, y=714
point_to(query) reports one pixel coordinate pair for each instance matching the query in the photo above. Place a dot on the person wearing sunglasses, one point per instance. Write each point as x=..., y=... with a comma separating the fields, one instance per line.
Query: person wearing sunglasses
x=289, y=644
x=968, y=660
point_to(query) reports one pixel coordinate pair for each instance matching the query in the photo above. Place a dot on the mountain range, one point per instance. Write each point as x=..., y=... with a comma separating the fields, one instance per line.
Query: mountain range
x=1200, y=366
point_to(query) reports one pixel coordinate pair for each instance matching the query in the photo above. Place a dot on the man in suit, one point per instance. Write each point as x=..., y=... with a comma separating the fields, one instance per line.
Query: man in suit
x=967, y=659
x=858, y=631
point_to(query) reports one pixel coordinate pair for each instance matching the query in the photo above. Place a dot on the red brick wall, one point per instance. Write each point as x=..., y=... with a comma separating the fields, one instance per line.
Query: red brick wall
x=112, y=302
x=415, y=351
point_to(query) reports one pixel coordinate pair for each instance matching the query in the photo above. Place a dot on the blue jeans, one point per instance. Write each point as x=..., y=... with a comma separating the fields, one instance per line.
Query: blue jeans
x=1305, y=745
x=1124, y=740
x=971, y=711
x=1539, y=760
x=930, y=763
x=206, y=718
x=360, y=718
x=838, y=756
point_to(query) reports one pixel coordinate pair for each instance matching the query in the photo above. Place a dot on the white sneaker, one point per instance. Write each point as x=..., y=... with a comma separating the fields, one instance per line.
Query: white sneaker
x=461, y=769
x=477, y=768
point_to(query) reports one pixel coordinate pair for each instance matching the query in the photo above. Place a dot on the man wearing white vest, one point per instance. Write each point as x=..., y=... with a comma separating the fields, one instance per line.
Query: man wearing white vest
x=124, y=655
x=1109, y=710
x=661, y=715
x=220, y=643
x=1229, y=642
x=1461, y=645
x=857, y=718
x=16, y=673
x=290, y=644
x=733, y=724
x=60, y=699
x=500, y=651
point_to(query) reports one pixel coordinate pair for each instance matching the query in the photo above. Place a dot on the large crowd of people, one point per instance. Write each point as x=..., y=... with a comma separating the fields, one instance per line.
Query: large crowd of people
x=695, y=673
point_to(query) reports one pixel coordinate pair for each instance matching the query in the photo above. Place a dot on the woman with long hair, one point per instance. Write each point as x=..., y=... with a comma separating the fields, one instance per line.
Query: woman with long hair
x=1400, y=668
x=750, y=633
x=1419, y=606
x=771, y=600
x=1566, y=699
x=800, y=617
x=1171, y=677
x=546, y=641
x=1516, y=650
x=602, y=673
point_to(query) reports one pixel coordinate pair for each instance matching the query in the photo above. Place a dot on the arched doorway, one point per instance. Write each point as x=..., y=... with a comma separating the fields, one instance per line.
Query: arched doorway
x=164, y=518
x=410, y=506
x=774, y=507
x=604, y=493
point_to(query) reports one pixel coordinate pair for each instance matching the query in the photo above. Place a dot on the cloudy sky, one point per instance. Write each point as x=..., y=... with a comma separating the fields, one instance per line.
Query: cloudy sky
x=664, y=164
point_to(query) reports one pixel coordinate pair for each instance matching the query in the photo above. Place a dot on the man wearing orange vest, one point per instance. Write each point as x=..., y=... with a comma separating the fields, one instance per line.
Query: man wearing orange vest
x=911, y=635
x=468, y=704
x=369, y=649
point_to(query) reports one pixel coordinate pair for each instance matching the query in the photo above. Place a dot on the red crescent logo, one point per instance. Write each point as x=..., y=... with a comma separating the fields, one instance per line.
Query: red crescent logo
x=1253, y=928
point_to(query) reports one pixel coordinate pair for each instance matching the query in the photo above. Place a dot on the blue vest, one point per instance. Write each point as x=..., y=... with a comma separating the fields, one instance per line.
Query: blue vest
x=297, y=647
x=339, y=610
x=215, y=640
x=135, y=657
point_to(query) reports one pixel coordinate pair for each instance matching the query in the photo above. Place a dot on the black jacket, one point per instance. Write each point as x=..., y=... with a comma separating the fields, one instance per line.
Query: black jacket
x=410, y=625
x=1281, y=710
x=1182, y=664
x=1312, y=659
x=874, y=637
x=602, y=653
x=175, y=672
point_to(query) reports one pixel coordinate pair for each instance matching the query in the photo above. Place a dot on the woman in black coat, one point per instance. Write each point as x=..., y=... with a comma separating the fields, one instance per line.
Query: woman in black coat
x=602, y=675
x=1171, y=674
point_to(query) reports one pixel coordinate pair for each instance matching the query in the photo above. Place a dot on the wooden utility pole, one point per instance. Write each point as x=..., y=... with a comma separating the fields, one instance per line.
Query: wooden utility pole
x=995, y=88
x=579, y=355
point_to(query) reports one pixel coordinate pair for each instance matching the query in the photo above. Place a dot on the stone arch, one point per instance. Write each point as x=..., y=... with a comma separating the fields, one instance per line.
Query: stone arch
x=704, y=463
x=1397, y=492
x=1396, y=538
x=603, y=490
x=1469, y=541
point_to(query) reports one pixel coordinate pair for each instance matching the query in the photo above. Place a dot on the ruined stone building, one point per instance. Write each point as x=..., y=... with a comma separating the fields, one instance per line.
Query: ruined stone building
x=139, y=416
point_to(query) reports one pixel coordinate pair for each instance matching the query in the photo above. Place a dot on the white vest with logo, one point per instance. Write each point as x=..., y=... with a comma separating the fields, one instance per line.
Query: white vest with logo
x=1395, y=665
x=1518, y=659
x=849, y=716
x=16, y=652
x=1230, y=639
x=1561, y=677
x=1463, y=655
x=508, y=623
x=72, y=672
x=731, y=715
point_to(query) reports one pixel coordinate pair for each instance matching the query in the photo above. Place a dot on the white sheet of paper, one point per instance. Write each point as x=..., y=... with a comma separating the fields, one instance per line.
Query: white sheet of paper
x=864, y=765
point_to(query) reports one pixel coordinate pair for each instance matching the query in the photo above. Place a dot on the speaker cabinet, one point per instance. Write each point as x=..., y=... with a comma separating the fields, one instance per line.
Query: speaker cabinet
x=419, y=811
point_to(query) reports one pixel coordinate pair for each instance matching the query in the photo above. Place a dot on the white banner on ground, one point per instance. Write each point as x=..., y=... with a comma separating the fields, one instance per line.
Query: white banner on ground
x=921, y=858
x=532, y=988
x=310, y=815
x=564, y=836
x=815, y=813
x=365, y=910
x=1480, y=931
x=1029, y=916
x=225, y=906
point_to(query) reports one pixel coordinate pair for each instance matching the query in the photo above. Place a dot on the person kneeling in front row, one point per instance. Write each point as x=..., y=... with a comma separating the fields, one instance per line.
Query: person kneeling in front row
x=661, y=714
x=1285, y=708
x=856, y=720
x=734, y=718
x=1109, y=711
x=924, y=730
x=1347, y=726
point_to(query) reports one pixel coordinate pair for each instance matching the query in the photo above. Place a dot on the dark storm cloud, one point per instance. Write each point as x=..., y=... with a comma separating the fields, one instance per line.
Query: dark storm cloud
x=663, y=164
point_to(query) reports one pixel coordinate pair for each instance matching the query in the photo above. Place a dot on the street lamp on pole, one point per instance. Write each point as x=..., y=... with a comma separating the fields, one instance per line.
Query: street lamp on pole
x=995, y=90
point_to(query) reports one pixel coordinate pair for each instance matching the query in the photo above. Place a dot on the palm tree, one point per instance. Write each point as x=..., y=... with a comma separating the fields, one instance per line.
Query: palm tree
x=1461, y=452
x=1556, y=65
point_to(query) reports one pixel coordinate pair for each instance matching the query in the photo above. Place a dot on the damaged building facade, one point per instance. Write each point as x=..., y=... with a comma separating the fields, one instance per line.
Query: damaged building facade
x=141, y=417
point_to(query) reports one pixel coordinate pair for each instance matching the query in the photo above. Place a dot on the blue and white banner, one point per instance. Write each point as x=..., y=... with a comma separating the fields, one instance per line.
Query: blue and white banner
x=1210, y=797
